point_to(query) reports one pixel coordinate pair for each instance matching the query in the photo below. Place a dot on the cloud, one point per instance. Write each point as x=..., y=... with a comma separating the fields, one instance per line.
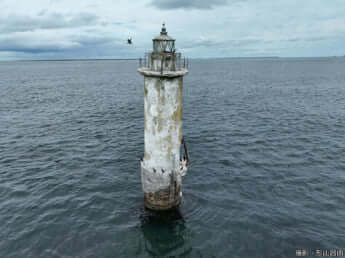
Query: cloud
x=34, y=43
x=311, y=39
x=38, y=42
x=44, y=20
x=213, y=28
x=187, y=4
x=60, y=33
x=210, y=43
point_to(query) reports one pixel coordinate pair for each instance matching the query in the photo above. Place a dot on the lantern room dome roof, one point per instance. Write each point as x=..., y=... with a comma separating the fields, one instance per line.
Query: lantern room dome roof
x=163, y=35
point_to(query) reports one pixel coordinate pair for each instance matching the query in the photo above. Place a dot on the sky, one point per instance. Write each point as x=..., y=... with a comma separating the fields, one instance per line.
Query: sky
x=66, y=29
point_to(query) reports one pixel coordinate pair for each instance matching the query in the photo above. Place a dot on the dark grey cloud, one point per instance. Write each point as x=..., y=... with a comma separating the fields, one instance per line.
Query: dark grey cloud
x=188, y=4
x=51, y=32
x=44, y=20
x=28, y=43
x=57, y=33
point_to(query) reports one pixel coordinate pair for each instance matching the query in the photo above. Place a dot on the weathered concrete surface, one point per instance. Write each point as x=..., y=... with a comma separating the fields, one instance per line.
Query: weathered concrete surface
x=155, y=180
x=161, y=200
x=161, y=173
x=169, y=74
x=162, y=190
x=161, y=167
x=163, y=122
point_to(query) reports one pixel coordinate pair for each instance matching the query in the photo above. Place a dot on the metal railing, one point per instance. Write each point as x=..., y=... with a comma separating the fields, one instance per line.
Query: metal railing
x=164, y=62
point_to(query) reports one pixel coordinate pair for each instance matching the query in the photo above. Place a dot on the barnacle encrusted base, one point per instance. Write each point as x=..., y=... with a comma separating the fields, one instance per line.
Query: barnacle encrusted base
x=163, y=199
x=162, y=191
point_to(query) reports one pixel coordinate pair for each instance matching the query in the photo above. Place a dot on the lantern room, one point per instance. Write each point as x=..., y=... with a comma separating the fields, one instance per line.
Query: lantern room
x=163, y=43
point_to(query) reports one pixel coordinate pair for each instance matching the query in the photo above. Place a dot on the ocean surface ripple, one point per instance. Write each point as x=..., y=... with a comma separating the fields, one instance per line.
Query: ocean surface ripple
x=266, y=139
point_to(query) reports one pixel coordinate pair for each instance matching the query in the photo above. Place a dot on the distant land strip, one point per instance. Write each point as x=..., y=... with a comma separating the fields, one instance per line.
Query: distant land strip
x=87, y=59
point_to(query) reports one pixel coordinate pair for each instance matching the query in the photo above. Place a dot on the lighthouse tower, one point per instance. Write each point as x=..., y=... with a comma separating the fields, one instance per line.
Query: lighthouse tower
x=163, y=164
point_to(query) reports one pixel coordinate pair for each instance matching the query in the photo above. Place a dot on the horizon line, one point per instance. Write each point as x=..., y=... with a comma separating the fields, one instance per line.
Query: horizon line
x=133, y=59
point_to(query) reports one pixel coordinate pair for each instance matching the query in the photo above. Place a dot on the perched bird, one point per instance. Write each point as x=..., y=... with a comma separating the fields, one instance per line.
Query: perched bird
x=163, y=171
x=154, y=170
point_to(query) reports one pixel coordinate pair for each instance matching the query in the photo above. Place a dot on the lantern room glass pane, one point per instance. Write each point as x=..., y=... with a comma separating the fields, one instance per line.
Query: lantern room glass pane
x=163, y=45
x=170, y=46
x=156, y=46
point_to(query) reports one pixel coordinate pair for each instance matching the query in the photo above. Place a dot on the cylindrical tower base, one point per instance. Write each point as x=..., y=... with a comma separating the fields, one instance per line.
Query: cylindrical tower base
x=163, y=199
x=162, y=189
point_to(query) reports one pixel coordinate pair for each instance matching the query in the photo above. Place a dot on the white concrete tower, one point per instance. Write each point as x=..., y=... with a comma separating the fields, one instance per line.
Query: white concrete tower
x=162, y=167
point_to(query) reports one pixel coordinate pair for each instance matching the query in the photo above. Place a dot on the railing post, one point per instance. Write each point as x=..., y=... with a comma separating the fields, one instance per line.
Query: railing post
x=140, y=64
x=162, y=62
x=179, y=62
x=173, y=61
